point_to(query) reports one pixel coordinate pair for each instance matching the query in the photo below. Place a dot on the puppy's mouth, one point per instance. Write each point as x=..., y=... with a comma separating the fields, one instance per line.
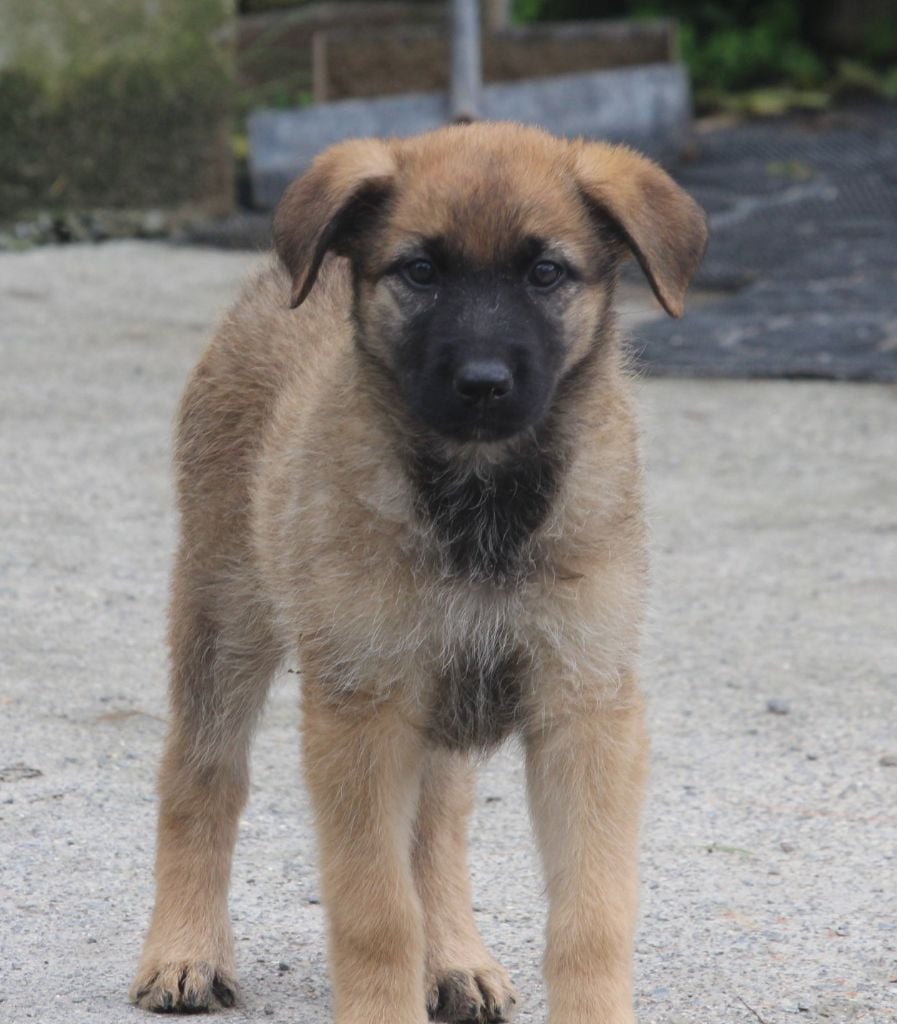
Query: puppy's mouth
x=486, y=428
x=483, y=422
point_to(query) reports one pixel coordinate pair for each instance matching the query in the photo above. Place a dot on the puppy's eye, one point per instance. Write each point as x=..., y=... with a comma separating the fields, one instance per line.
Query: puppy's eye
x=546, y=274
x=420, y=273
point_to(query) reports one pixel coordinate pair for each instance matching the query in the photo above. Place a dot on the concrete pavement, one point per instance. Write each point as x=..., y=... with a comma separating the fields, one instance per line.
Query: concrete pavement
x=769, y=855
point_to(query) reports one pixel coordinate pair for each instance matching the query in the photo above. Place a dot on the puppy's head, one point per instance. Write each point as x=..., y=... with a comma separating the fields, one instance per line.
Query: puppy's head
x=484, y=258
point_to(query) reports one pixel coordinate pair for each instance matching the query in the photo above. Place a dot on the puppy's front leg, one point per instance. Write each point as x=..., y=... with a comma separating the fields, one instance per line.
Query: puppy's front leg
x=585, y=772
x=464, y=983
x=363, y=766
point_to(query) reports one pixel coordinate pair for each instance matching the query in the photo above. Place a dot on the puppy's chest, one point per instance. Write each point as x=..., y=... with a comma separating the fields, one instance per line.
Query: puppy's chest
x=483, y=526
x=480, y=542
x=478, y=677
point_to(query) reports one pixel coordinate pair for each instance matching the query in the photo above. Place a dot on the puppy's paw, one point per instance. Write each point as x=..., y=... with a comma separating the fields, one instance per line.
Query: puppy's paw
x=481, y=995
x=183, y=986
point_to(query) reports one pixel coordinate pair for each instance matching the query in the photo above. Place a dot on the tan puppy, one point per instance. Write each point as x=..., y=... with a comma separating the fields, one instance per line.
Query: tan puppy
x=425, y=479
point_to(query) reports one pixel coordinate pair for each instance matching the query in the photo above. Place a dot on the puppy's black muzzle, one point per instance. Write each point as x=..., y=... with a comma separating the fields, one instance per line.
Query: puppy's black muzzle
x=478, y=397
x=481, y=364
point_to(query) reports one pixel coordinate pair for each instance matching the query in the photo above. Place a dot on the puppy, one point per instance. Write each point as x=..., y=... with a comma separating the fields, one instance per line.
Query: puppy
x=409, y=454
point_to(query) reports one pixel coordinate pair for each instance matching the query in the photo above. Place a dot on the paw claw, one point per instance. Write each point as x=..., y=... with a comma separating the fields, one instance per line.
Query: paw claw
x=184, y=987
x=225, y=992
x=460, y=996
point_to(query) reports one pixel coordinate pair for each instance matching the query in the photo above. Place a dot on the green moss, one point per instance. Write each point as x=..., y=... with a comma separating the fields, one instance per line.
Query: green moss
x=128, y=111
x=25, y=126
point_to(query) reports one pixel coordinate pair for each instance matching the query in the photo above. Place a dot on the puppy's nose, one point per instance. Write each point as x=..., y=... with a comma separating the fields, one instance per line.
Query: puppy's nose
x=483, y=380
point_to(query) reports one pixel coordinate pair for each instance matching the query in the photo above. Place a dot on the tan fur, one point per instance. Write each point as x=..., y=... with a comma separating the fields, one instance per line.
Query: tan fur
x=300, y=531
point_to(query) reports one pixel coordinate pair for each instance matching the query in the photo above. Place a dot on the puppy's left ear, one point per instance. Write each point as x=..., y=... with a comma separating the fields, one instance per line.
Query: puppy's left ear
x=326, y=207
x=662, y=225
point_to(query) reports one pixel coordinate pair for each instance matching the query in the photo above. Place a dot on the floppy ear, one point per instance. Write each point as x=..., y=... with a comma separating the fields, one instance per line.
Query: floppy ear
x=662, y=225
x=320, y=210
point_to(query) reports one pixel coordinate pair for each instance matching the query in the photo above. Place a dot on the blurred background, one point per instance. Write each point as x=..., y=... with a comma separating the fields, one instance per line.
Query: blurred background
x=158, y=118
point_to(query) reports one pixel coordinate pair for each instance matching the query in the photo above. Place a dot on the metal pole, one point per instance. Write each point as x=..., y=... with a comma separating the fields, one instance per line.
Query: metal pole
x=467, y=74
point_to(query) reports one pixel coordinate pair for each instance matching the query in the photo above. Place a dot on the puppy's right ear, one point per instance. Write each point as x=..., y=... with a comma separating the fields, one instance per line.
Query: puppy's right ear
x=319, y=211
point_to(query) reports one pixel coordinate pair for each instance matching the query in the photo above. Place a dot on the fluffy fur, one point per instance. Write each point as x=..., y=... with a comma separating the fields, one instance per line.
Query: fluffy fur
x=441, y=593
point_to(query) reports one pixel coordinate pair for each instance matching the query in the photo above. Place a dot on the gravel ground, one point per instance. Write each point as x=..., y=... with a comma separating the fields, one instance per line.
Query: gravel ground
x=770, y=840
